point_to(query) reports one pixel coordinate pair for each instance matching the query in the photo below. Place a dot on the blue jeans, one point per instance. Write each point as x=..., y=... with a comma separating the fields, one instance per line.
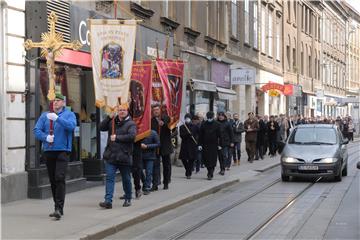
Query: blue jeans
x=226, y=153
x=148, y=166
x=125, y=172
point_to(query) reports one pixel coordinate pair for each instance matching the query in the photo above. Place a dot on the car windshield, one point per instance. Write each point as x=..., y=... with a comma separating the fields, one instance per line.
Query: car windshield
x=314, y=136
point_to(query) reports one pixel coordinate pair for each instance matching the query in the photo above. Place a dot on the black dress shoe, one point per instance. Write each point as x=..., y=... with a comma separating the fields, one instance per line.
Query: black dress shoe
x=154, y=188
x=56, y=214
x=166, y=187
x=127, y=203
x=105, y=205
x=146, y=192
x=122, y=197
x=138, y=194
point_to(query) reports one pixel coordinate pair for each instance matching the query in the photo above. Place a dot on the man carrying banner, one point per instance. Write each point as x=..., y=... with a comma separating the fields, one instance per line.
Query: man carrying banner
x=159, y=123
x=118, y=153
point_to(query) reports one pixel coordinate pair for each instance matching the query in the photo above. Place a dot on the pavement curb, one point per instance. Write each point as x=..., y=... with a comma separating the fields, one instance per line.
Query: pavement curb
x=107, y=231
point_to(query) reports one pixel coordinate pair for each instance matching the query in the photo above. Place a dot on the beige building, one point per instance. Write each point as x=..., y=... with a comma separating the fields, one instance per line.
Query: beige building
x=334, y=22
x=353, y=63
x=302, y=53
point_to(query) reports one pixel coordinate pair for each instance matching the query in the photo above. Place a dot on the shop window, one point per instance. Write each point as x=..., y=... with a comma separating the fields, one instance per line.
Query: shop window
x=202, y=102
x=72, y=82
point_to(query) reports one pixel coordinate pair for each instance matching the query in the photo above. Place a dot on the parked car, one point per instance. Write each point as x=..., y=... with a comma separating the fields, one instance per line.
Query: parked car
x=314, y=150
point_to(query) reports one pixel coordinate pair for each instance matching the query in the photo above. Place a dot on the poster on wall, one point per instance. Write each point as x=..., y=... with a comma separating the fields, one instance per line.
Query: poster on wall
x=112, y=52
x=171, y=76
x=140, y=97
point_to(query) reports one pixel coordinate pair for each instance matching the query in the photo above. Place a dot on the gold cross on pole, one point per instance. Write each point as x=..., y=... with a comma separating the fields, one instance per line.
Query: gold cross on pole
x=51, y=45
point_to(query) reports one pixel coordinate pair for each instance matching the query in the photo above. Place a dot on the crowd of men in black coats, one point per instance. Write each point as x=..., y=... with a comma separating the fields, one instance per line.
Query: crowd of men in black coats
x=203, y=143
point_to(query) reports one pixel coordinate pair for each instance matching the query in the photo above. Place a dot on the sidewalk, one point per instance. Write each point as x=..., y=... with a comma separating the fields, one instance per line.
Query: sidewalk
x=84, y=219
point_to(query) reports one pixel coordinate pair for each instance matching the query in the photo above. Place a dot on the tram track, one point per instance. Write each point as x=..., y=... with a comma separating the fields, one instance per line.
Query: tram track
x=268, y=220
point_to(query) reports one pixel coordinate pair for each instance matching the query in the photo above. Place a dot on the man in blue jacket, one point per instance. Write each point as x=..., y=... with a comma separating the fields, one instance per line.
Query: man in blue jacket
x=56, y=148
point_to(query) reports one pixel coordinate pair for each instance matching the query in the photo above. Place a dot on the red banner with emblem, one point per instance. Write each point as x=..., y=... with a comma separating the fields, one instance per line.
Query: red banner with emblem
x=171, y=75
x=140, y=99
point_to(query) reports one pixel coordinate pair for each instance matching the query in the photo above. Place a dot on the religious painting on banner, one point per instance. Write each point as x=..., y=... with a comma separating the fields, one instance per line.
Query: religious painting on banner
x=140, y=95
x=112, y=52
x=171, y=76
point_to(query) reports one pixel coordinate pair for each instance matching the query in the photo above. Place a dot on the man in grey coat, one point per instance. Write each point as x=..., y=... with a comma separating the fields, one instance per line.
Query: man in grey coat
x=238, y=129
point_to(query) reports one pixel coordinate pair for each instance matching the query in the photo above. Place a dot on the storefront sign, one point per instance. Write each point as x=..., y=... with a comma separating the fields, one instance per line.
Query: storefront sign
x=243, y=76
x=319, y=93
x=220, y=74
x=79, y=26
x=272, y=88
x=171, y=74
x=140, y=105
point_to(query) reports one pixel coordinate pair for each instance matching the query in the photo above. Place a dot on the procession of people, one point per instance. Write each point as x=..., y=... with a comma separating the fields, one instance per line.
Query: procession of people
x=204, y=143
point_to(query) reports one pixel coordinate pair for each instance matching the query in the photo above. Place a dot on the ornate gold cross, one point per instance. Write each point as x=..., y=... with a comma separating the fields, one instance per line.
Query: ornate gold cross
x=51, y=45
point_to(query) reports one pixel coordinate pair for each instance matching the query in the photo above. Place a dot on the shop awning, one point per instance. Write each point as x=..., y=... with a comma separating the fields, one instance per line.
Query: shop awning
x=201, y=85
x=225, y=93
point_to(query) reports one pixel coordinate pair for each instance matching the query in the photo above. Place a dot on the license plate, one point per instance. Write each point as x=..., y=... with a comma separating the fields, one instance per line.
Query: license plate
x=309, y=167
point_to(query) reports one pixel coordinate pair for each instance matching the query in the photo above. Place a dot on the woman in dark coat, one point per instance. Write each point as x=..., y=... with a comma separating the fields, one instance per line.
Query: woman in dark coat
x=272, y=129
x=189, y=138
x=209, y=143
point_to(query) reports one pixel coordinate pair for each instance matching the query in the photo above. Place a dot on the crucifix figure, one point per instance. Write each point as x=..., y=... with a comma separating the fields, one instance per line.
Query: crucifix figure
x=51, y=45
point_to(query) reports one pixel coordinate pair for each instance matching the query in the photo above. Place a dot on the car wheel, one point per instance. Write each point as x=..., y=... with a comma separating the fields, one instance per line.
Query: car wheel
x=285, y=178
x=344, y=171
x=338, y=178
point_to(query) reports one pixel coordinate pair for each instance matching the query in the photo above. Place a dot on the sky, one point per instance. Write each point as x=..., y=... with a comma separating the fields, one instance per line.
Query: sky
x=355, y=4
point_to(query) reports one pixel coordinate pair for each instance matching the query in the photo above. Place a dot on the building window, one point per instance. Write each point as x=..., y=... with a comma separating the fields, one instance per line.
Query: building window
x=306, y=20
x=255, y=27
x=246, y=17
x=234, y=18
x=302, y=62
x=263, y=28
x=188, y=13
x=294, y=59
x=278, y=38
x=270, y=33
x=288, y=58
x=310, y=23
x=303, y=18
x=165, y=9
x=295, y=5
x=289, y=10
x=309, y=63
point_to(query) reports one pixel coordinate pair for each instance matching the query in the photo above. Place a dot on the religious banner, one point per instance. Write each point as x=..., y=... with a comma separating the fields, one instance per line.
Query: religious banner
x=112, y=51
x=140, y=91
x=171, y=76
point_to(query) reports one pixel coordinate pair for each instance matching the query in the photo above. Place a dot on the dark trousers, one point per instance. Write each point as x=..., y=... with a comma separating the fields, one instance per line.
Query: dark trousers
x=137, y=175
x=56, y=163
x=188, y=165
x=251, y=149
x=259, y=152
x=221, y=160
x=272, y=147
x=166, y=169
x=237, y=151
x=156, y=179
x=210, y=171
x=351, y=136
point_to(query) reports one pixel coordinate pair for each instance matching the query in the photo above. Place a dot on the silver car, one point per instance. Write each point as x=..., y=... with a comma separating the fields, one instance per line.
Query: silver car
x=315, y=150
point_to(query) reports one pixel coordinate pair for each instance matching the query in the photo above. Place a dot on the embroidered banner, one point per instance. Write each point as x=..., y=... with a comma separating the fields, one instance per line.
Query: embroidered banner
x=112, y=52
x=140, y=95
x=171, y=76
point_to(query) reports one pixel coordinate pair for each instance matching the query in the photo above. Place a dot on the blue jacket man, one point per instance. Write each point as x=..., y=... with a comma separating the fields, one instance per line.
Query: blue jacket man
x=56, y=148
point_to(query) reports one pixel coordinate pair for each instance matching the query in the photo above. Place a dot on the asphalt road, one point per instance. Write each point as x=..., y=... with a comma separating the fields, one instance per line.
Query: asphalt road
x=265, y=208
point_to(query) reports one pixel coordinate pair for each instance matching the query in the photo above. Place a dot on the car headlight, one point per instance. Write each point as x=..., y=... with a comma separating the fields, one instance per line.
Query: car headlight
x=328, y=160
x=289, y=160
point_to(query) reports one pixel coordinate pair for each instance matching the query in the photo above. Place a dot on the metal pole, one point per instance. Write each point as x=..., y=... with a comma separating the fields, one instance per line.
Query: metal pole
x=2, y=80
